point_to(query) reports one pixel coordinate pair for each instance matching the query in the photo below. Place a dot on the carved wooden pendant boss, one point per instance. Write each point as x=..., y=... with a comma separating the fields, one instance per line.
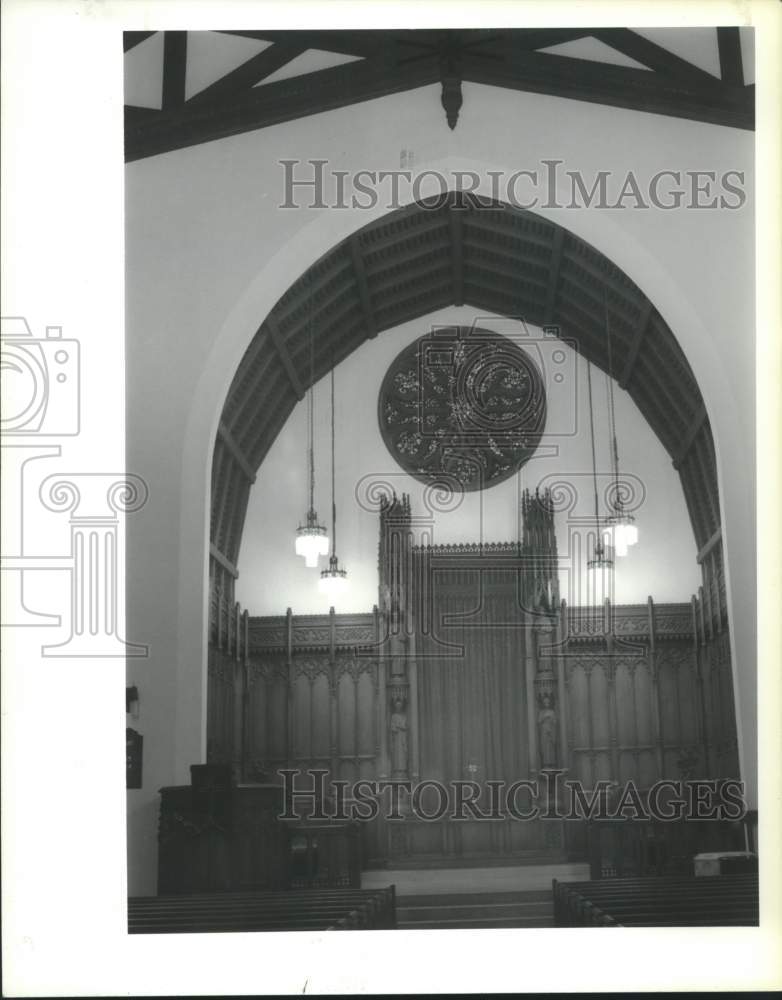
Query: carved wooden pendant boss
x=464, y=406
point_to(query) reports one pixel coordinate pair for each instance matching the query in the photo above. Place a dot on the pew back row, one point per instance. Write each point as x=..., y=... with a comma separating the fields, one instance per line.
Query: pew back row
x=331, y=909
x=719, y=901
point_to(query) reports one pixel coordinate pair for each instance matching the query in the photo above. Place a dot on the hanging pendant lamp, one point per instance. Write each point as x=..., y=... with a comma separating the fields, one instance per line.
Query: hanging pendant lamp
x=622, y=530
x=333, y=581
x=312, y=540
x=600, y=568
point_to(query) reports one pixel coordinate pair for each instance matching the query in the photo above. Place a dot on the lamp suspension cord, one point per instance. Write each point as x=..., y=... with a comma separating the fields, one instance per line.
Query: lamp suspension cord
x=333, y=491
x=611, y=411
x=311, y=429
x=599, y=544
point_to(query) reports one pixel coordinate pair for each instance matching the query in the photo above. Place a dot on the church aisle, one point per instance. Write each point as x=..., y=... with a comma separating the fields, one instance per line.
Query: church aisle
x=515, y=878
x=481, y=910
x=491, y=897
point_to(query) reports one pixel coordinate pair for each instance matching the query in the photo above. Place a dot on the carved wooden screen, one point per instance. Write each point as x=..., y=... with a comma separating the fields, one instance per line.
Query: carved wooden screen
x=484, y=695
x=311, y=712
x=473, y=702
x=653, y=701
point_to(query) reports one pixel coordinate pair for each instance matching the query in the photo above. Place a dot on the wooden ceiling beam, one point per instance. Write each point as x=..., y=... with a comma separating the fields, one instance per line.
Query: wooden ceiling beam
x=233, y=105
x=347, y=43
x=240, y=399
x=659, y=380
x=731, y=64
x=657, y=58
x=235, y=510
x=236, y=452
x=615, y=86
x=137, y=117
x=692, y=433
x=635, y=346
x=226, y=484
x=365, y=43
x=709, y=546
x=553, y=275
x=412, y=255
x=456, y=229
x=702, y=451
x=398, y=237
x=363, y=288
x=174, y=69
x=224, y=561
x=284, y=356
x=276, y=411
x=392, y=283
x=130, y=39
x=476, y=223
x=529, y=39
x=274, y=103
x=252, y=71
x=502, y=276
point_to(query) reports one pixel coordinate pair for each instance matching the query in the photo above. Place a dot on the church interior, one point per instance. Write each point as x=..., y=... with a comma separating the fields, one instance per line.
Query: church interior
x=449, y=492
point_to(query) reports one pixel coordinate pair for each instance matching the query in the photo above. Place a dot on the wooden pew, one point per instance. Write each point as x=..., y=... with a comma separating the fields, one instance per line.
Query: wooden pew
x=724, y=900
x=327, y=909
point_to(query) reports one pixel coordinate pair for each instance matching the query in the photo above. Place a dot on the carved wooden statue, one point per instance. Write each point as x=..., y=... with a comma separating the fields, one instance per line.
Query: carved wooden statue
x=547, y=729
x=398, y=736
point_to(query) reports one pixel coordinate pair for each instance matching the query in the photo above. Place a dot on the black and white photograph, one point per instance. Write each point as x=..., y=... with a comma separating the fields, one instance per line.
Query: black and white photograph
x=398, y=426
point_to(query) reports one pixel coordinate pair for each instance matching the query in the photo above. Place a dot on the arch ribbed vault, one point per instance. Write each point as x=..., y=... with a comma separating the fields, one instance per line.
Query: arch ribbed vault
x=494, y=258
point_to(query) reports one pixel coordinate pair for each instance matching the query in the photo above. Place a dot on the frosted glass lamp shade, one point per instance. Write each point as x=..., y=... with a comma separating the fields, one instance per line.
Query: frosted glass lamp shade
x=312, y=540
x=623, y=532
x=333, y=581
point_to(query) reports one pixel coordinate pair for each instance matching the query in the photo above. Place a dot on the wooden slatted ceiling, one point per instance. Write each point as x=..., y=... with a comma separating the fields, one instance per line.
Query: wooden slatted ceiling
x=403, y=266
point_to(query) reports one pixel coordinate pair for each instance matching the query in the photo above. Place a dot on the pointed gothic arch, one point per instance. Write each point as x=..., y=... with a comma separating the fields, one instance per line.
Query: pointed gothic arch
x=491, y=256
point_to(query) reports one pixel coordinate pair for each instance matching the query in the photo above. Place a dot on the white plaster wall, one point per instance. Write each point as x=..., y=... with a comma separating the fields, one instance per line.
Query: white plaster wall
x=272, y=578
x=209, y=253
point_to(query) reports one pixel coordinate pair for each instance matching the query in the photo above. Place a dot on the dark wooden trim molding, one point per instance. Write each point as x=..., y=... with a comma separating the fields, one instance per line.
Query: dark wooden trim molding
x=284, y=356
x=363, y=288
x=236, y=452
x=249, y=73
x=692, y=433
x=130, y=39
x=707, y=548
x=731, y=65
x=553, y=275
x=226, y=563
x=174, y=69
x=397, y=61
x=456, y=228
x=616, y=86
x=635, y=347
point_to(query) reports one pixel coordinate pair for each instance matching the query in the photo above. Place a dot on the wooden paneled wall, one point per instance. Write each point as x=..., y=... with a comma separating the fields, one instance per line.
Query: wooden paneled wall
x=650, y=698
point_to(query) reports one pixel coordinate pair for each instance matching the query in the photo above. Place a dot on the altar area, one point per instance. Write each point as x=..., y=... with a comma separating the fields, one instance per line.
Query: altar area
x=472, y=670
